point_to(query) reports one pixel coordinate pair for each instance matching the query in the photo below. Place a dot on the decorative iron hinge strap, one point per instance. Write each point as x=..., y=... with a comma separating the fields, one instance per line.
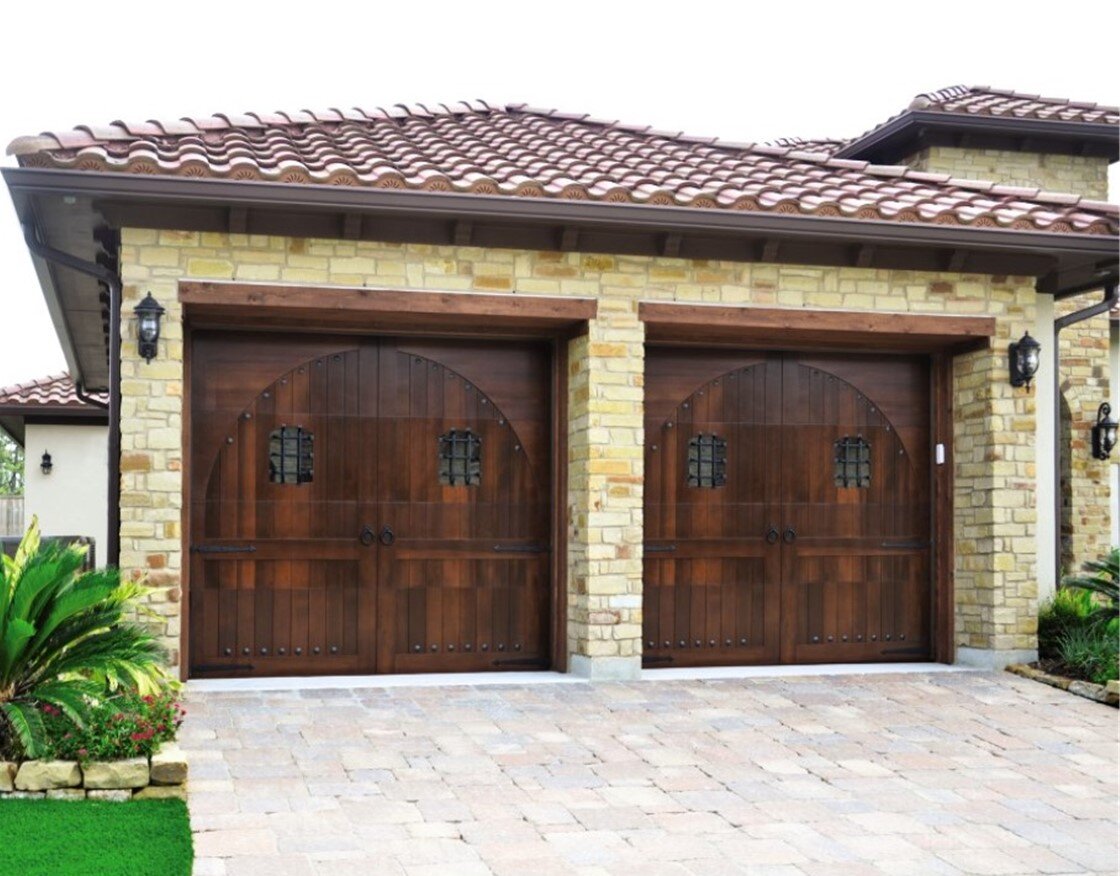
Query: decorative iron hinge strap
x=918, y=543
x=228, y=667
x=659, y=548
x=520, y=549
x=223, y=548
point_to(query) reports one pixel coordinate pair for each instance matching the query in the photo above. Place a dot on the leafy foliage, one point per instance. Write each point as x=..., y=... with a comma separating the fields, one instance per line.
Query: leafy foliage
x=1088, y=654
x=124, y=725
x=11, y=466
x=1103, y=582
x=64, y=640
x=1079, y=630
x=1069, y=610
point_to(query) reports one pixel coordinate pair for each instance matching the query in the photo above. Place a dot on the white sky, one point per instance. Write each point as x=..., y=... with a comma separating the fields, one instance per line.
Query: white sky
x=739, y=70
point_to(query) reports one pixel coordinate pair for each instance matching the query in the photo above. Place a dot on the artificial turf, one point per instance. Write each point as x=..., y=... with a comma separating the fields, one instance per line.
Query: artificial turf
x=95, y=838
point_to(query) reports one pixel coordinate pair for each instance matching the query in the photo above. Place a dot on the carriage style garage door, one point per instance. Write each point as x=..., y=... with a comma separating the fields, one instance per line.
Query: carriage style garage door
x=787, y=508
x=362, y=505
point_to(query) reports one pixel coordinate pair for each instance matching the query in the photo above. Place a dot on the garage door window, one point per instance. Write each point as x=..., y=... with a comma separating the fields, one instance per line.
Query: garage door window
x=852, y=462
x=290, y=455
x=707, y=461
x=460, y=458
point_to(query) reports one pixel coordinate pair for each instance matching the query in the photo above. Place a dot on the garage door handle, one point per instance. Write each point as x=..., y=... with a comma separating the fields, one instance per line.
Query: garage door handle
x=366, y=536
x=772, y=535
x=789, y=536
x=386, y=536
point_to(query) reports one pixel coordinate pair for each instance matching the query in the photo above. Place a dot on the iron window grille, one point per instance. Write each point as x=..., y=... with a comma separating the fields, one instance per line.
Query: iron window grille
x=707, y=461
x=852, y=462
x=460, y=458
x=291, y=455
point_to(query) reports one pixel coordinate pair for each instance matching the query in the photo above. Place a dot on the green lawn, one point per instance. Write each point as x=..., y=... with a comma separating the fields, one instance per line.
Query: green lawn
x=95, y=838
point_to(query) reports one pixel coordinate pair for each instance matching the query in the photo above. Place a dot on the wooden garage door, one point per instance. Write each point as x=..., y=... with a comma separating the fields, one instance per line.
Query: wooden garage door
x=368, y=505
x=787, y=508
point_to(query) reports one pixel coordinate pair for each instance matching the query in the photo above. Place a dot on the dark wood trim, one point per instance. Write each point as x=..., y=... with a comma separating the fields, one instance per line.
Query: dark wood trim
x=941, y=421
x=186, y=562
x=559, y=618
x=222, y=304
x=777, y=328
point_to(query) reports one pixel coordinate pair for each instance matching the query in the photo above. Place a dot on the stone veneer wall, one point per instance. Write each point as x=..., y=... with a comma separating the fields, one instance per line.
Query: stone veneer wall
x=1086, y=508
x=993, y=438
x=1082, y=175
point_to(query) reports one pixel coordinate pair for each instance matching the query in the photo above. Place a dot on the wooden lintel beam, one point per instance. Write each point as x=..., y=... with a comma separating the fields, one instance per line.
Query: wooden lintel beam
x=351, y=226
x=463, y=233
x=569, y=239
x=671, y=245
x=308, y=307
x=238, y=220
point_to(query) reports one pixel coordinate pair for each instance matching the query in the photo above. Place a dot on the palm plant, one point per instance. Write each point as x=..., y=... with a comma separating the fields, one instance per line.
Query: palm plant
x=1103, y=581
x=64, y=639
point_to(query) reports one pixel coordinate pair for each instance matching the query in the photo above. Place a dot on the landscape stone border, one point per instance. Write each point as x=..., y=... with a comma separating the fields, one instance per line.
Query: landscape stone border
x=1108, y=694
x=135, y=778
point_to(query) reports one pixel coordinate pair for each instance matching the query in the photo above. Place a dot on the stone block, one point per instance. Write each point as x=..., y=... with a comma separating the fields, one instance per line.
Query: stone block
x=8, y=772
x=24, y=795
x=169, y=765
x=66, y=794
x=116, y=795
x=161, y=792
x=132, y=772
x=46, y=775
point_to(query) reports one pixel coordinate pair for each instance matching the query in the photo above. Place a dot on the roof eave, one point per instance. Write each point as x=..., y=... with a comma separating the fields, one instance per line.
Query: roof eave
x=893, y=135
x=153, y=190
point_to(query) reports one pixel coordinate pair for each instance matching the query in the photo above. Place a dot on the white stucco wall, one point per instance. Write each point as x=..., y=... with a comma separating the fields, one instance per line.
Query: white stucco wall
x=73, y=498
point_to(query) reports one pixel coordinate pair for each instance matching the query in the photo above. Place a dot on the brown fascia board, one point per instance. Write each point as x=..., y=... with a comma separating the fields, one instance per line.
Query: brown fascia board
x=890, y=141
x=54, y=413
x=153, y=192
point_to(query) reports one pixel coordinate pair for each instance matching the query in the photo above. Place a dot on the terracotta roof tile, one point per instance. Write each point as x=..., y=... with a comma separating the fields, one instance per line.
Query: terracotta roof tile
x=55, y=391
x=827, y=145
x=475, y=148
x=981, y=100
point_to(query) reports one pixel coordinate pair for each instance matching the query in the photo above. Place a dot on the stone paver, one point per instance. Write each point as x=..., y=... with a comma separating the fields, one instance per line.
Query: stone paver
x=941, y=773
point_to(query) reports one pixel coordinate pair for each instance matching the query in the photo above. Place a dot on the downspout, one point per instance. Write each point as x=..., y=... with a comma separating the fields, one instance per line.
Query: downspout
x=113, y=285
x=1104, y=306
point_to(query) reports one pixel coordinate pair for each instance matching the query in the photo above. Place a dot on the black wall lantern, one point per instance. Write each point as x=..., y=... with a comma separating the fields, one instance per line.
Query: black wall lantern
x=1104, y=432
x=46, y=464
x=148, y=312
x=1023, y=360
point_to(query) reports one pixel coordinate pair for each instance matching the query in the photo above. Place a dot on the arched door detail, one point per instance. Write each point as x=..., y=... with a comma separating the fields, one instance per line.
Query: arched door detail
x=362, y=558
x=812, y=542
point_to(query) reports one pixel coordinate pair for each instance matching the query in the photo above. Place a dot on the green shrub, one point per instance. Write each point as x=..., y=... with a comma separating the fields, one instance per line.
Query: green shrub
x=64, y=641
x=1068, y=610
x=1102, y=585
x=125, y=725
x=1090, y=653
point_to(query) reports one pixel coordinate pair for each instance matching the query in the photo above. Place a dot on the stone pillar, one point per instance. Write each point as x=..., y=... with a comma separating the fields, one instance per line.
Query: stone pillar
x=605, y=454
x=995, y=513
x=152, y=429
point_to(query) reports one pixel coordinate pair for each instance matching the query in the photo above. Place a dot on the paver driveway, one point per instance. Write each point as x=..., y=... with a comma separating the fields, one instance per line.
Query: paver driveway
x=930, y=773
